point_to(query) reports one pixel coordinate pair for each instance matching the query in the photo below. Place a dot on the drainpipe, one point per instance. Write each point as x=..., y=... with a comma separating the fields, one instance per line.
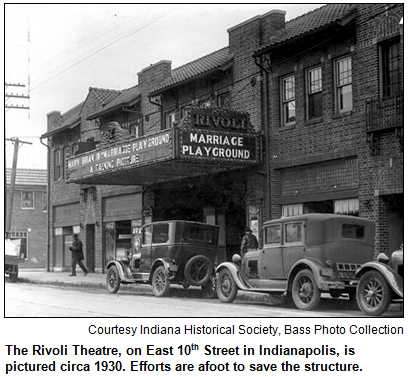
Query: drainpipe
x=265, y=127
x=48, y=204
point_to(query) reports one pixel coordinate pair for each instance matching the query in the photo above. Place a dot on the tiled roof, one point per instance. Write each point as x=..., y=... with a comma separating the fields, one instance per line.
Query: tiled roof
x=311, y=21
x=28, y=177
x=125, y=97
x=212, y=61
x=105, y=95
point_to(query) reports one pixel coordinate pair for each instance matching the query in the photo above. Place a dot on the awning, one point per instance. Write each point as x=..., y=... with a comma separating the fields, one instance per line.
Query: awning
x=60, y=130
x=177, y=153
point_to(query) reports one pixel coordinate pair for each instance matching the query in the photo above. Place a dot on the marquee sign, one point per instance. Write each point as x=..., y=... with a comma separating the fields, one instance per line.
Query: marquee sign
x=207, y=141
x=125, y=155
x=218, y=119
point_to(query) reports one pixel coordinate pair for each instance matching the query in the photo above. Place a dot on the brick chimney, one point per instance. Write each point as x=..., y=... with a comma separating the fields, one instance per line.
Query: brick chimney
x=54, y=119
x=273, y=25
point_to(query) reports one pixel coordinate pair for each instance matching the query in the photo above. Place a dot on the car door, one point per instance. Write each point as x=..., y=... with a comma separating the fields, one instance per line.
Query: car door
x=146, y=248
x=293, y=243
x=270, y=262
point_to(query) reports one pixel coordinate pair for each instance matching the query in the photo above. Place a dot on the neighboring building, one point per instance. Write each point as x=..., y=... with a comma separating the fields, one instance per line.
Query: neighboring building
x=335, y=79
x=274, y=124
x=29, y=216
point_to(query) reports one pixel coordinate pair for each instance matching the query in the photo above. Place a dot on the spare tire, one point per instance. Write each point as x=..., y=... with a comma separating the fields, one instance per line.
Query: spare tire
x=198, y=270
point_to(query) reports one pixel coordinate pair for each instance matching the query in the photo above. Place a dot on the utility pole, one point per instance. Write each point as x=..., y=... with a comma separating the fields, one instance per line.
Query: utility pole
x=11, y=95
x=16, y=142
x=10, y=197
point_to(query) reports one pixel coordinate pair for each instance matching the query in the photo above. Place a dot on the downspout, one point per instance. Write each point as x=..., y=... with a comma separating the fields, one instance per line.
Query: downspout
x=48, y=204
x=265, y=127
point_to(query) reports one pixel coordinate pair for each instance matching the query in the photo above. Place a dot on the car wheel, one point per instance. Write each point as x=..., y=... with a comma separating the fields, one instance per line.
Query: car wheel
x=373, y=293
x=13, y=275
x=305, y=292
x=113, y=280
x=209, y=290
x=198, y=270
x=160, y=283
x=227, y=289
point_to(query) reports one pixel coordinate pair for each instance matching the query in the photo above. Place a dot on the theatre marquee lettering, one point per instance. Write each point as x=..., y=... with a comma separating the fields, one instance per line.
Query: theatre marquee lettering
x=132, y=153
x=220, y=146
x=219, y=120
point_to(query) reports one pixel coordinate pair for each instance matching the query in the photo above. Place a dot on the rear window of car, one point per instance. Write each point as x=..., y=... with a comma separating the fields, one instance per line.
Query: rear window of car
x=353, y=231
x=199, y=233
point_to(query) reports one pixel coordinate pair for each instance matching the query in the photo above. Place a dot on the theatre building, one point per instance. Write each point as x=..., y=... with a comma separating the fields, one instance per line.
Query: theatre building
x=291, y=117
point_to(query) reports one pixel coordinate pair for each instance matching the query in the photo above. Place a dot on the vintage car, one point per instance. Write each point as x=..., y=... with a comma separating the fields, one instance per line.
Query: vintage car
x=12, y=257
x=381, y=281
x=169, y=252
x=302, y=257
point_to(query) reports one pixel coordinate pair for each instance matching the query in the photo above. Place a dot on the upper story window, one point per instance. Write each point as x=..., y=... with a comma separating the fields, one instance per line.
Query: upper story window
x=390, y=67
x=288, y=100
x=170, y=118
x=44, y=201
x=27, y=199
x=344, y=88
x=314, y=93
x=135, y=127
x=57, y=165
x=223, y=100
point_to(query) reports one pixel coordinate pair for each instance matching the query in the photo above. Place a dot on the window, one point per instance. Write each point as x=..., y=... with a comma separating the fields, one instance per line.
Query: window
x=57, y=165
x=147, y=235
x=293, y=233
x=44, y=201
x=314, y=92
x=170, y=118
x=288, y=99
x=344, y=89
x=273, y=235
x=135, y=127
x=353, y=231
x=347, y=207
x=160, y=233
x=185, y=111
x=223, y=100
x=27, y=199
x=292, y=210
x=390, y=63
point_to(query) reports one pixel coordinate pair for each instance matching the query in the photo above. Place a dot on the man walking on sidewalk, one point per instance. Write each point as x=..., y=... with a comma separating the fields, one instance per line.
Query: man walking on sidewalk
x=77, y=255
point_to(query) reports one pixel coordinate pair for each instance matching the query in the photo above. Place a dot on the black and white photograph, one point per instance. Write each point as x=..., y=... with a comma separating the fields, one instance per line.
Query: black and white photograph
x=227, y=172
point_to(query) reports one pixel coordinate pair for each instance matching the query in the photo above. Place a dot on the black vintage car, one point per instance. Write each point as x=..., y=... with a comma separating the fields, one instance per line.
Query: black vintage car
x=169, y=252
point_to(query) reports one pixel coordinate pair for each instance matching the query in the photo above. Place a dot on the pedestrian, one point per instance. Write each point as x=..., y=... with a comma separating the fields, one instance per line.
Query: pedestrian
x=249, y=241
x=77, y=255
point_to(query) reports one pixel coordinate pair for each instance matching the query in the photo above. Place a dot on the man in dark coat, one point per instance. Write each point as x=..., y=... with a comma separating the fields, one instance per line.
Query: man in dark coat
x=77, y=255
x=249, y=241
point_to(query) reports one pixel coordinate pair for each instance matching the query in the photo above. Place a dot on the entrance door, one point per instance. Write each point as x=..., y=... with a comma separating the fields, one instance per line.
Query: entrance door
x=67, y=253
x=90, y=247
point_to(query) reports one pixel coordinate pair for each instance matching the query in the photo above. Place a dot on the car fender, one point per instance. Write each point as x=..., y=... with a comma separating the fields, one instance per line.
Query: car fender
x=122, y=270
x=165, y=262
x=307, y=263
x=395, y=281
x=236, y=273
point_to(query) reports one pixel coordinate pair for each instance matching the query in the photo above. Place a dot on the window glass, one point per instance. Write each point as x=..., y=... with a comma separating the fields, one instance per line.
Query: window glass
x=288, y=97
x=223, y=100
x=147, y=235
x=160, y=233
x=315, y=98
x=273, y=234
x=170, y=118
x=293, y=232
x=390, y=69
x=27, y=199
x=57, y=165
x=199, y=233
x=353, y=231
x=292, y=209
x=344, y=81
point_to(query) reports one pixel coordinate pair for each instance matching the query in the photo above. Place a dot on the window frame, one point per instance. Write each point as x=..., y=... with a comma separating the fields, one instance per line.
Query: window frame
x=279, y=228
x=315, y=94
x=57, y=164
x=170, y=117
x=340, y=86
x=223, y=99
x=285, y=233
x=385, y=46
x=32, y=199
x=286, y=101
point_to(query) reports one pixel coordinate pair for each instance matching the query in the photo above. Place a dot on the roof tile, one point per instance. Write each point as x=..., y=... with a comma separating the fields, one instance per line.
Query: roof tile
x=28, y=177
